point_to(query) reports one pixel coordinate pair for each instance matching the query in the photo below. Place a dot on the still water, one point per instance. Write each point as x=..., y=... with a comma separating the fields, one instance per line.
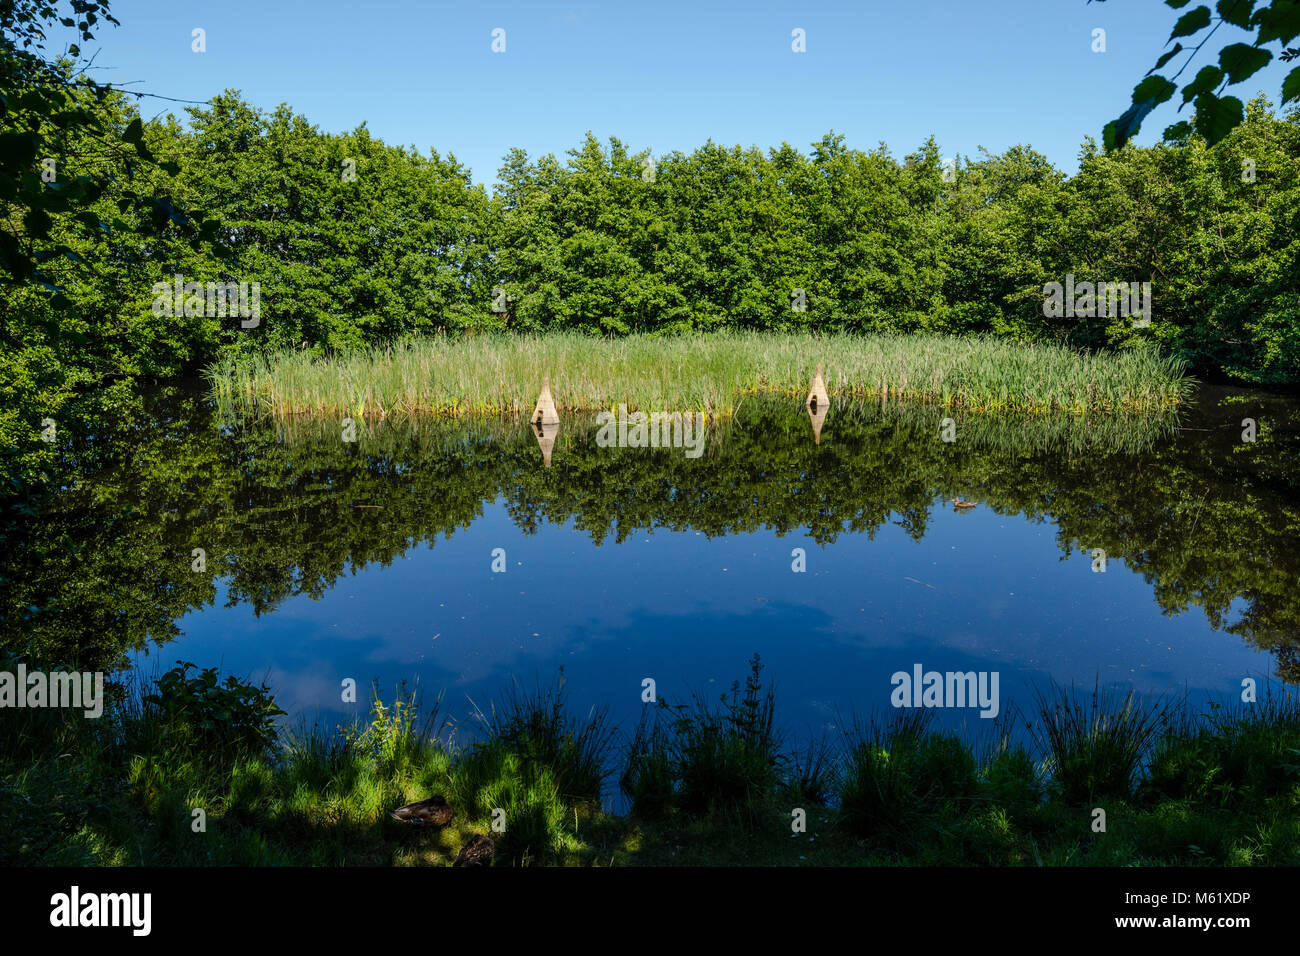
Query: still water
x=323, y=560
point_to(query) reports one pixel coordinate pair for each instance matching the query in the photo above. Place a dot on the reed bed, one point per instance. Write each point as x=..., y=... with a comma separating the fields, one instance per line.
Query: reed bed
x=487, y=375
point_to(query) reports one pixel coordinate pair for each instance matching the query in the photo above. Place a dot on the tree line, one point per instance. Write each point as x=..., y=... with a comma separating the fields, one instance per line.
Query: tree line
x=352, y=242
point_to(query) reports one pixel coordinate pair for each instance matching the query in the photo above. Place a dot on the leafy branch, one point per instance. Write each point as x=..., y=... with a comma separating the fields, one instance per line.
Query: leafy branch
x=1216, y=115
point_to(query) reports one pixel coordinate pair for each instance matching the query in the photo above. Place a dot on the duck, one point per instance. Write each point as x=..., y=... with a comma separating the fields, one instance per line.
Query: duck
x=958, y=503
x=478, y=851
x=432, y=812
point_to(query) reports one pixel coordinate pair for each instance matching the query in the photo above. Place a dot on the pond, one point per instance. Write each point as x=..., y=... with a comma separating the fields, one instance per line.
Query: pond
x=1154, y=555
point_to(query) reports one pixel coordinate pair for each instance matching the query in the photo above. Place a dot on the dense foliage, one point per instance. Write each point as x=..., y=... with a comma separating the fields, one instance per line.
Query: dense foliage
x=354, y=242
x=88, y=216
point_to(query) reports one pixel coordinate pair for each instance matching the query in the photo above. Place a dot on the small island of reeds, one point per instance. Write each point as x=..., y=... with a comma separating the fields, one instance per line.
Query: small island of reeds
x=493, y=374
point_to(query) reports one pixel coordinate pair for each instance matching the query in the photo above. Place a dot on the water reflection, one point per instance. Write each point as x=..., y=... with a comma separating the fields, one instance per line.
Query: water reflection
x=1204, y=520
x=545, y=434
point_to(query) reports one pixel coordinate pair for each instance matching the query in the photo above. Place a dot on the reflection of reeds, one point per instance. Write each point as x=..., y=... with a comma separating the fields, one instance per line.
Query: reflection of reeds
x=485, y=375
x=1012, y=434
x=1020, y=433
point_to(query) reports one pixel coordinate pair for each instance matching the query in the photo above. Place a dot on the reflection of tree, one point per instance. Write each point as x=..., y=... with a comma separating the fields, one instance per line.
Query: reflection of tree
x=1288, y=664
x=105, y=565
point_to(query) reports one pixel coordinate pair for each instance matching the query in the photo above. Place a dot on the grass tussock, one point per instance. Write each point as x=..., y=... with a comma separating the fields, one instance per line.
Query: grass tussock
x=708, y=782
x=722, y=759
x=493, y=374
x=1097, y=743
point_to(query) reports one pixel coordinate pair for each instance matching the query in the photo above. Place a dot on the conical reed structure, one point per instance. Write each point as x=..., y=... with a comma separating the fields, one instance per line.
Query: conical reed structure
x=817, y=397
x=545, y=413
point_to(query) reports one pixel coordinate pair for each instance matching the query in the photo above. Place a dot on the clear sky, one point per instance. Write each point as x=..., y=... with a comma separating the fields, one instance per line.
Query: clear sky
x=667, y=74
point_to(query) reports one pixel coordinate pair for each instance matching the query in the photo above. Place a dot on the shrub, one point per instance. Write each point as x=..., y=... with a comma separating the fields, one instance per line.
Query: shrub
x=210, y=720
x=1011, y=780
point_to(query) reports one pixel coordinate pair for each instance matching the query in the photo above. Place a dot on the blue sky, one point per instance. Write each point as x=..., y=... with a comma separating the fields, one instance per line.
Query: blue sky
x=666, y=75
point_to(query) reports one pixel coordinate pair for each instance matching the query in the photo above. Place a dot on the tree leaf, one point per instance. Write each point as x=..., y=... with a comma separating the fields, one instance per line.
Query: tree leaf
x=1236, y=12
x=1278, y=21
x=90, y=221
x=1156, y=89
x=1147, y=95
x=38, y=223
x=1191, y=22
x=1118, y=132
x=1217, y=116
x=1207, y=81
x=1241, y=60
x=1291, y=86
x=1178, y=48
x=18, y=149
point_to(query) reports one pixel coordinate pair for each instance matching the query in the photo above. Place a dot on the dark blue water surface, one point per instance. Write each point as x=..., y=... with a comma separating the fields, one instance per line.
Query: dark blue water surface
x=981, y=591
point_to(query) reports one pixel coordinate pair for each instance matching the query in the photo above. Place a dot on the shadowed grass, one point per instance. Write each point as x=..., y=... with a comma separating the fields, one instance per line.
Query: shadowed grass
x=1242, y=754
x=1097, y=744
x=487, y=375
x=721, y=759
x=710, y=786
x=900, y=774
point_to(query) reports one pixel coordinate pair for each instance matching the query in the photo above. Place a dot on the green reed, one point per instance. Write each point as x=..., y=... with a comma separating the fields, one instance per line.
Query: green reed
x=489, y=374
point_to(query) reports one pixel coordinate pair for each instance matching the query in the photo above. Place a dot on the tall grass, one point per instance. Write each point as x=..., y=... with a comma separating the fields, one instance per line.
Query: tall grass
x=1097, y=743
x=502, y=374
x=1217, y=787
x=536, y=727
x=1235, y=755
x=722, y=759
x=900, y=772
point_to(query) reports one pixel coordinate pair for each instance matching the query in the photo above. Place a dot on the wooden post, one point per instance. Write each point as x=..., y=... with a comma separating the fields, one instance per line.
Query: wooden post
x=545, y=413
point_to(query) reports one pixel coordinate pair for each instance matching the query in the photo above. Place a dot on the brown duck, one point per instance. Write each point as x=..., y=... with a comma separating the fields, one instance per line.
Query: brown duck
x=477, y=852
x=432, y=812
x=958, y=503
